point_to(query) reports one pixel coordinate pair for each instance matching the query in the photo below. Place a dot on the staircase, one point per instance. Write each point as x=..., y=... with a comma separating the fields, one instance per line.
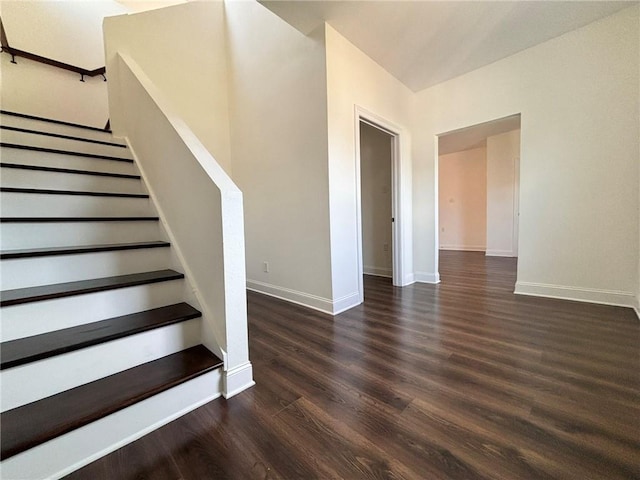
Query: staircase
x=99, y=345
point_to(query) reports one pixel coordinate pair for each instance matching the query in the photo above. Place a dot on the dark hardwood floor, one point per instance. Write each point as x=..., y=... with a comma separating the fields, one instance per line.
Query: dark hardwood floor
x=461, y=380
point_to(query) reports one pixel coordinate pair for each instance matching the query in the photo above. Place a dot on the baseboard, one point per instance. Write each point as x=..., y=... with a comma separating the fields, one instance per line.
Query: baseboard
x=424, y=277
x=324, y=305
x=636, y=307
x=500, y=253
x=577, y=294
x=409, y=278
x=237, y=379
x=464, y=248
x=377, y=271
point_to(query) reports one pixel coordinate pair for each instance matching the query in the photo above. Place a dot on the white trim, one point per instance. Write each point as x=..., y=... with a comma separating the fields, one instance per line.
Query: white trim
x=315, y=302
x=397, y=241
x=346, y=302
x=237, y=379
x=636, y=307
x=424, y=277
x=464, y=248
x=577, y=294
x=72, y=451
x=377, y=271
x=409, y=279
x=500, y=253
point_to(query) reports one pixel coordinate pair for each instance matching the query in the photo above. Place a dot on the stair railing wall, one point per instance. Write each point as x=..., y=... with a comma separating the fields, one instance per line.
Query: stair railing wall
x=201, y=209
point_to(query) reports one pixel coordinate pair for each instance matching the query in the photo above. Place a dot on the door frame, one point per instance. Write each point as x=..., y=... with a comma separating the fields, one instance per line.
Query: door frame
x=370, y=118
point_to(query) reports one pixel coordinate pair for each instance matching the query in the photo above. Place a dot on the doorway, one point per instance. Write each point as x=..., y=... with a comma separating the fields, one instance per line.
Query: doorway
x=478, y=194
x=378, y=198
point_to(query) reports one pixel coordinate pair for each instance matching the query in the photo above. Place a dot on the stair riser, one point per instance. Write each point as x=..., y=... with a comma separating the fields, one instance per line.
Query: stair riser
x=31, y=272
x=19, y=321
x=41, y=126
x=13, y=177
x=71, y=451
x=45, y=205
x=63, y=372
x=29, y=157
x=42, y=141
x=38, y=235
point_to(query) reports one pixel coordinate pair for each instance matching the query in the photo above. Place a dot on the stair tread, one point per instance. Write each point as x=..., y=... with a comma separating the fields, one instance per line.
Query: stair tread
x=74, y=219
x=46, y=191
x=32, y=424
x=49, y=251
x=65, y=152
x=59, y=290
x=68, y=170
x=62, y=136
x=52, y=120
x=38, y=347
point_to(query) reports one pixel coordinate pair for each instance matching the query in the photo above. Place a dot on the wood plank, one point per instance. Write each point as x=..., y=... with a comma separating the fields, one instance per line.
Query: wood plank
x=68, y=170
x=59, y=135
x=32, y=424
x=65, y=152
x=45, y=191
x=38, y=347
x=51, y=251
x=59, y=290
x=458, y=380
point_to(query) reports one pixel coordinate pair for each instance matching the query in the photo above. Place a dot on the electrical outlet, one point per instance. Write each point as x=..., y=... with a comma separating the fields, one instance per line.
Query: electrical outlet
x=265, y=267
x=385, y=247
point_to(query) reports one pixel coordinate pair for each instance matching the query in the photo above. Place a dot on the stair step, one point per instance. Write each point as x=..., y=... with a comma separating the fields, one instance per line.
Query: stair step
x=65, y=152
x=46, y=252
x=38, y=159
x=33, y=424
x=44, y=191
x=59, y=135
x=53, y=121
x=75, y=219
x=38, y=347
x=59, y=290
x=67, y=170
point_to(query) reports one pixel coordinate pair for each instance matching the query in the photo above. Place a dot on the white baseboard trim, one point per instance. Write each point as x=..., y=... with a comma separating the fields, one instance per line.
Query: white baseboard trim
x=464, y=248
x=577, y=294
x=500, y=253
x=424, y=277
x=237, y=379
x=637, y=307
x=324, y=305
x=377, y=271
x=409, y=279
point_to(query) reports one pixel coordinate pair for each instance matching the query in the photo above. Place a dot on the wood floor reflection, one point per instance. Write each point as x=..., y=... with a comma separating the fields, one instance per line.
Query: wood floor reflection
x=460, y=380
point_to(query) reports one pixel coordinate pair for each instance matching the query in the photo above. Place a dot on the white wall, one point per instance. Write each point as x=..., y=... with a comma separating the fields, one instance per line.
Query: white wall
x=503, y=157
x=375, y=178
x=36, y=89
x=462, y=191
x=579, y=157
x=353, y=79
x=70, y=32
x=182, y=50
x=278, y=97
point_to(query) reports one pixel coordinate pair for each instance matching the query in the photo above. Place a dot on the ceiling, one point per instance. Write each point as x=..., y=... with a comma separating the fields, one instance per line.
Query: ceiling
x=476, y=135
x=423, y=43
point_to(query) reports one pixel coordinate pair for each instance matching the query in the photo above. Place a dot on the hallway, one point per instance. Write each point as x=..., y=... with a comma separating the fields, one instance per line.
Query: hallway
x=459, y=380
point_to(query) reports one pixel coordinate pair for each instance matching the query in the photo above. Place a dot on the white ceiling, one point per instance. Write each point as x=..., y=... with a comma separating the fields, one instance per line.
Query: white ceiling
x=423, y=43
x=476, y=135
